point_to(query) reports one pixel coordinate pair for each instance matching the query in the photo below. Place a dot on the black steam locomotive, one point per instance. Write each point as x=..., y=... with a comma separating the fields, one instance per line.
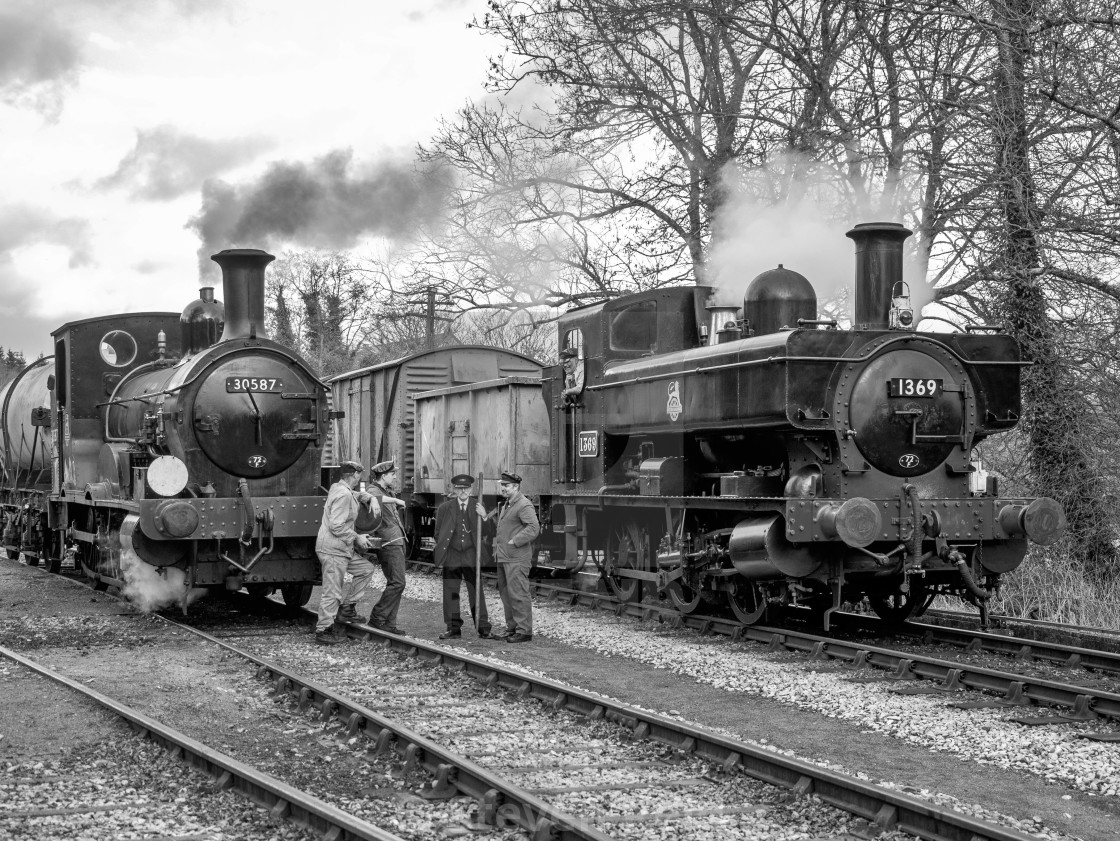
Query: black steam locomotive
x=756, y=459
x=182, y=446
x=775, y=459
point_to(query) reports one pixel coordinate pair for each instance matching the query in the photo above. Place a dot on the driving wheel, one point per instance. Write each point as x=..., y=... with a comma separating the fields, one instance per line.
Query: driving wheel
x=625, y=550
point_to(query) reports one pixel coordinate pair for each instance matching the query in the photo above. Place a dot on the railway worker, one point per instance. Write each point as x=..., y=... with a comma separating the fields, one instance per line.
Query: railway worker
x=460, y=553
x=337, y=546
x=573, y=375
x=391, y=553
x=517, y=527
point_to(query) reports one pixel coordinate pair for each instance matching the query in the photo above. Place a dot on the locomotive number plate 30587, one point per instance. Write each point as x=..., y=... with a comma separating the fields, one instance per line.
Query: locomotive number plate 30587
x=253, y=384
x=914, y=387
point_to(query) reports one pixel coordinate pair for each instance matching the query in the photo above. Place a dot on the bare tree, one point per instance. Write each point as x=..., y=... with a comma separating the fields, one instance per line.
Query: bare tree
x=321, y=305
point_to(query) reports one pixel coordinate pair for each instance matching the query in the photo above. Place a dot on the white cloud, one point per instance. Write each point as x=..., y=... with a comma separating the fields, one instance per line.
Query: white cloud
x=152, y=95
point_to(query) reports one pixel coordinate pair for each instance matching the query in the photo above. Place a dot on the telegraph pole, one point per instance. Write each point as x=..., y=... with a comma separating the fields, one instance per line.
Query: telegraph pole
x=430, y=317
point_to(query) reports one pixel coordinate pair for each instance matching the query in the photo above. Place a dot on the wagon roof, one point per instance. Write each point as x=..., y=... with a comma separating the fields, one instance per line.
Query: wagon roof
x=393, y=363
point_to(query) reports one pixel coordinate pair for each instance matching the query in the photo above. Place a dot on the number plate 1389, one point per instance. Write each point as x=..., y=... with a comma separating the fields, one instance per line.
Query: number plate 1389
x=254, y=384
x=914, y=387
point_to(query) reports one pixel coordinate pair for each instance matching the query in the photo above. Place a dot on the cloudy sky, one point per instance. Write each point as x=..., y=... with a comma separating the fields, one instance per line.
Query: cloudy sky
x=137, y=134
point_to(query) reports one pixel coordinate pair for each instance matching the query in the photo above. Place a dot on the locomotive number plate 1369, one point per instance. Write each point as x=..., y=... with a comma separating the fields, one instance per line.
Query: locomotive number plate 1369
x=253, y=384
x=914, y=387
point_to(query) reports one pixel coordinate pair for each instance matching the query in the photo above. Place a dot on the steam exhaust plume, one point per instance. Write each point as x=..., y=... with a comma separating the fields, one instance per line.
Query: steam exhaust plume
x=149, y=589
x=770, y=218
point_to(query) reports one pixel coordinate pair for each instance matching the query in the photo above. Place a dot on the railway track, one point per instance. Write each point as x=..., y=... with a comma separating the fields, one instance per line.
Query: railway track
x=280, y=799
x=627, y=741
x=1105, y=639
x=725, y=757
x=1087, y=700
x=1034, y=650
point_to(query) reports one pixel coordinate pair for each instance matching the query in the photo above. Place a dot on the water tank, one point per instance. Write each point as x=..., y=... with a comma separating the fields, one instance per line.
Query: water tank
x=25, y=445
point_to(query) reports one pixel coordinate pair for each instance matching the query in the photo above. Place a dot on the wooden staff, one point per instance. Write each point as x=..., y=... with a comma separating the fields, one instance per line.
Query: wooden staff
x=478, y=562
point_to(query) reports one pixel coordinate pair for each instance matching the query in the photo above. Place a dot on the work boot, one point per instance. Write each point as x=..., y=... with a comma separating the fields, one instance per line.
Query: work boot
x=348, y=614
x=328, y=637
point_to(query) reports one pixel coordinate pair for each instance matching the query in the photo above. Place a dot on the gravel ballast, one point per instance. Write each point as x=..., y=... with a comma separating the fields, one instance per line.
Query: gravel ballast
x=614, y=657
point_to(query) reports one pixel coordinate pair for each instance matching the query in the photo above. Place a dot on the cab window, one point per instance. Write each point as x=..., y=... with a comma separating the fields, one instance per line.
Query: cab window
x=574, y=339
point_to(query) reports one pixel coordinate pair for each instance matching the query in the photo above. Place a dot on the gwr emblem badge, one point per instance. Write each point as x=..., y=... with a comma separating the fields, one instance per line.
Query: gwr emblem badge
x=674, y=406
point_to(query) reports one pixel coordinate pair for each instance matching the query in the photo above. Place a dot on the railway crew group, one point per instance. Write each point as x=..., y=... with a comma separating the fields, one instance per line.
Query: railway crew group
x=464, y=534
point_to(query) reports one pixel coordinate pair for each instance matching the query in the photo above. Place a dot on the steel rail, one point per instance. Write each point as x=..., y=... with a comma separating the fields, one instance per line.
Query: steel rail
x=1061, y=654
x=1034, y=626
x=887, y=809
x=282, y=800
x=1086, y=703
x=1018, y=647
x=499, y=798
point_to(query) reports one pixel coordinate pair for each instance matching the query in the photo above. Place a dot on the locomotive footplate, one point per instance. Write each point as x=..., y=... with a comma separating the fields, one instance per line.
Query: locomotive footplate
x=218, y=519
x=860, y=522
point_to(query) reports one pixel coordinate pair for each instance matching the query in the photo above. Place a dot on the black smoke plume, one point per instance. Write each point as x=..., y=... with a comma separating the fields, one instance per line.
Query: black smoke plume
x=330, y=203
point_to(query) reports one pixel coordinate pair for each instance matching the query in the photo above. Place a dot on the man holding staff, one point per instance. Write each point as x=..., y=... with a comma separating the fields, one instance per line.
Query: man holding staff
x=461, y=552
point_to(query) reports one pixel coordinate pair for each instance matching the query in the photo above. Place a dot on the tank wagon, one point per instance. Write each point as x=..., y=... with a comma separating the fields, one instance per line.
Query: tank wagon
x=758, y=457
x=155, y=442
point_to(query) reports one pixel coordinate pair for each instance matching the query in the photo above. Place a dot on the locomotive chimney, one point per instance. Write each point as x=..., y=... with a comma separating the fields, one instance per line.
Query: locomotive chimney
x=243, y=291
x=878, y=269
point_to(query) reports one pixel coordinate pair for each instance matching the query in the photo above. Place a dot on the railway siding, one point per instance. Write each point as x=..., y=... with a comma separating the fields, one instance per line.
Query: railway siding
x=583, y=631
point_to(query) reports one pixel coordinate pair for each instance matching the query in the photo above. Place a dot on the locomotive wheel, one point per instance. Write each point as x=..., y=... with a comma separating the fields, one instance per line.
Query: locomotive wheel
x=13, y=554
x=296, y=595
x=895, y=608
x=683, y=597
x=747, y=601
x=625, y=550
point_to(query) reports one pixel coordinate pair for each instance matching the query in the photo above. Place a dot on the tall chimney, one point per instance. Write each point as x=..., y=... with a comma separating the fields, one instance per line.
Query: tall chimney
x=243, y=291
x=878, y=269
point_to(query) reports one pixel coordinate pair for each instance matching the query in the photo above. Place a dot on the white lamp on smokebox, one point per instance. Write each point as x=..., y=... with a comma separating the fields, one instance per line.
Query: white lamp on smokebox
x=902, y=314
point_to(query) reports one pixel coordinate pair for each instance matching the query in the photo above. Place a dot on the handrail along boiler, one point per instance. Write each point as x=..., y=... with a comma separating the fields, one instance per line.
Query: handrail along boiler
x=204, y=457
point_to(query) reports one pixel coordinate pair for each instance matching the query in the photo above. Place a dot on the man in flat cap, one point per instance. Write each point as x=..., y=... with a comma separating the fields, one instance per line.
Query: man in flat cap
x=337, y=546
x=517, y=528
x=391, y=553
x=573, y=375
x=459, y=552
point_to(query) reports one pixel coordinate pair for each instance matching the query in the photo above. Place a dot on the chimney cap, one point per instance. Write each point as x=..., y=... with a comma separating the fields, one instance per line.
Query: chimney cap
x=879, y=228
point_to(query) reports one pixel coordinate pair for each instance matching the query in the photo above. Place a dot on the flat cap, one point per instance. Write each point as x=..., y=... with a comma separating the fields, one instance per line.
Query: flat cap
x=462, y=481
x=569, y=353
x=352, y=467
x=511, y=478
x=383, y=467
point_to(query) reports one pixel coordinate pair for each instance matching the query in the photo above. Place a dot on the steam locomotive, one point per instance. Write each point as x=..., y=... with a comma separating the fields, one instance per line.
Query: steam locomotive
x=755, y=460
x=182, y=445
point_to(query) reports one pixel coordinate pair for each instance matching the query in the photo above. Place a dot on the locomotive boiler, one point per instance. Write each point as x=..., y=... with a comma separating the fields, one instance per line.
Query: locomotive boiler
x=200, y=453
x=775, y=459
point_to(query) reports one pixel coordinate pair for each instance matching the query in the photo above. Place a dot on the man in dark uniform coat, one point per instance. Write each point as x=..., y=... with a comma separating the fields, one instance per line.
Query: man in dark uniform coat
x=391, y=553
x=455, y=551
